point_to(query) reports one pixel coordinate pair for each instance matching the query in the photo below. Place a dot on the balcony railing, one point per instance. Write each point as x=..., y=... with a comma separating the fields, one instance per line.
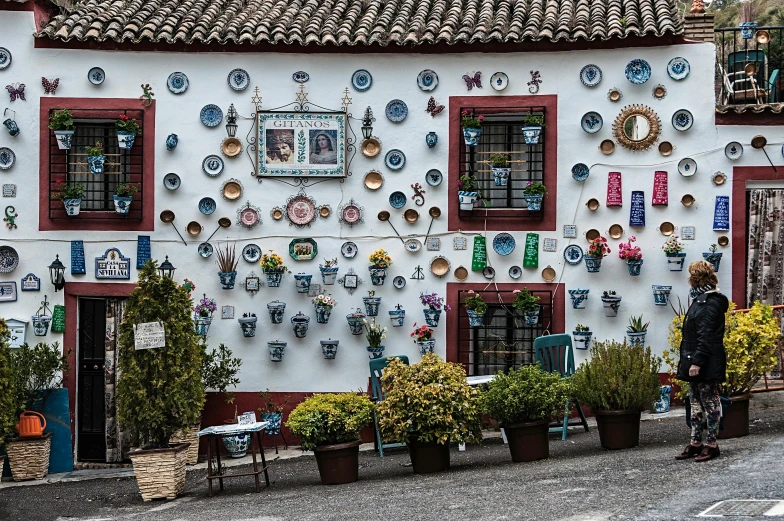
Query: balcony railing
x=749, y=65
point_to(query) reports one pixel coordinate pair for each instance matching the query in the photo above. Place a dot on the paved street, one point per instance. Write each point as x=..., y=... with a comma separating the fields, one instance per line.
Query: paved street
x=580, y=482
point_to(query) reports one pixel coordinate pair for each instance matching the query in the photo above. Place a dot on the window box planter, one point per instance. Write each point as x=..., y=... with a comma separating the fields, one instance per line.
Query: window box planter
x=125, y=139
x=329, y=348
x=579, y=298
x=713, y=258
x=432, y=316
x=64, y=139
x=248, y=325
x=471, y=136
x=675, y=261
x=501, y=176
x=300, y=323
x=302, y=282
x=532, y=134
x=72, y=206
x=96, y=164
x=122, y=205
x=467, y=200
x=426, y=346
x=276, y=350
x=227, y=279
x=582, y=339
x=276, y=309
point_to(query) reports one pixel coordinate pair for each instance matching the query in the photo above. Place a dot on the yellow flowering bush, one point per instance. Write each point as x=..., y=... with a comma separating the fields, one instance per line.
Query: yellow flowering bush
x=380, y=258
x=672, y=356
x=329, y=419
x=272, y=262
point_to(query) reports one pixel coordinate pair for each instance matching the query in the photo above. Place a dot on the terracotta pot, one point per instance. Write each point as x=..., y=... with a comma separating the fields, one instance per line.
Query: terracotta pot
x=618, y=429
x=736, y=418
x=338, y=464
x=528, y=441
x=427, y=457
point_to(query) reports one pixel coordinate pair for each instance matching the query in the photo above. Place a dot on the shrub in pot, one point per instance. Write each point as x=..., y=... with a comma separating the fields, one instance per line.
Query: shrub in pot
x=71, y=196
x=428, y=405
x=62, y=123
x=10, y=402
x=617, y=383
x=522, y=402
x=127, y=130
x=329, y=425
x=272, y=413
x=95, y=158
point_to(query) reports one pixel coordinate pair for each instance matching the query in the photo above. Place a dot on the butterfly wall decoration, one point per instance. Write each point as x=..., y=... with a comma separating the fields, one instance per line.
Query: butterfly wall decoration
x=433, y=108
x=475, y=80
x=50, y=86
x=16, y=90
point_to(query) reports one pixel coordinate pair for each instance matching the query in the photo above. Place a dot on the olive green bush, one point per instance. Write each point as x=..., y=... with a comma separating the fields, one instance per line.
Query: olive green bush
x=38, y=371
x=329, y=419
x=10, y=403
x=525, y=394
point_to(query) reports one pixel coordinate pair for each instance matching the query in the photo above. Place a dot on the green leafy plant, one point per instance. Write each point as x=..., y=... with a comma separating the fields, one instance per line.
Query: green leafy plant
x=61, y=120
x=474, y=302
x=524, y=300
x=636, y=325
x=534, y=189
x=467, y=183
x=330, y=419
x=374, y=333
x=618, y=377
x=10, y=402
x=219, y=369
x=125, y=190
x=580, y=327
x=74, y=191
x=97, y=150
x=128, y=124
x=525, y=394
x=470, y=120
x=430, y=402
x=38, y=371
x=713, y=248
x=226, y=259
x=534, y=121
x=268, y=405
x=499, y=160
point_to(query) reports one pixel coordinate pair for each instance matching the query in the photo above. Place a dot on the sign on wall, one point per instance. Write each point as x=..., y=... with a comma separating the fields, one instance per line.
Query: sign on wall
x=637, y=212
x=77, y=258
x=31, y=283
x=142, y=251
x=302, y=144
x=112, y=265
x=149, y=335
x=721, y=213
x=614, y=193
x=660, y=185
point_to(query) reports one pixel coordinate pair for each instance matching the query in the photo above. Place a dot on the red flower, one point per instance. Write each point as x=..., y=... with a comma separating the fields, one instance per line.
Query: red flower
x=124, y=117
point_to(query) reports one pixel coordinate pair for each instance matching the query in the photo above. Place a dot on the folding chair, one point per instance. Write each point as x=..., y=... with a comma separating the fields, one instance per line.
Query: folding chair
x=377, y=367
x=554, y=354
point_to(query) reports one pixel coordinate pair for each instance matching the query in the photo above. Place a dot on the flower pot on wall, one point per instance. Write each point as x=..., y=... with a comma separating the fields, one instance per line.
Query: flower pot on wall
x=96, y=164
x=579, y=298
x=736, y=418
x=300, y=323
x=202, y=325
x=329, y=275
x=467, y=199
x=426, y=346
x=302, y=282
x=501, y=176
x=397, y=316
x=329, y=348
x=375, y=352
x=593, y=264
x=532, y=134
x=528, y=441
x=661, y=294
x=64, y=139
x=248, y=325
x=171, y=142
x=227, y=279
x=276, y=350
x=471, y=136
x=371, y=305
x=432, y=316
x=41, y=324
x=431, y=139
x=582, y=339
x=532, y=317
x=618, y=429
x=338, y=464
x=475, y=319
x=276, y=309
x=355, y=322
x=125, y=139
x=274, y=277
x=747, y=29
x=322, y=314
x=611, y=305
x=534, y=201
x=428, y=456
x=122, y=205
x=675, y=261
x=377, y=275
x=714, y=259
x=636, y=339
x=634, y=267
x=72, y=206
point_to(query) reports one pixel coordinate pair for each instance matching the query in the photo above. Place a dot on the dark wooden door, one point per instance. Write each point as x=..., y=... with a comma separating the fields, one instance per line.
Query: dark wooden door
x=91, y=444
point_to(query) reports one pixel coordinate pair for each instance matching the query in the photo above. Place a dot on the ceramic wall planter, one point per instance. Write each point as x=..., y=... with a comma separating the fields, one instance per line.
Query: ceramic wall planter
x=237, y=446
x=375, y=352
x=329, y=275
x=276, y=350
x=41, y=324
x=661, y=294
x=274, y=419
x=593, y=264
x=431, y=139
x=355, y=322
x=675, y=261
x=579, y=298
x=432, y=316
x=471, y=136
x=302, y=282
x=64, y=139
x=171, y=142
x=125, y=139
x=475, y=319
x=532, y=317
x=532, y=135
x=426, y=346
x=377, y=275
x=72, y=206
x=747, y=29
x=122, y=205
x=322, y=314
x=329, y=348
x=276, y=309
x=96, y=164
x=274, y=277
x=501, y=176
x=636, y=339
x=467, y=200
x=300, y=323
x=582, y=339
x=371, y=305
x=227, y=279
x=248, y=325
x=611, y=305
x=202, y=325
x=662, y=405
x=534, y=201
x=397, y=316
x=713, y=258
x=634, y=267
x=13, y=128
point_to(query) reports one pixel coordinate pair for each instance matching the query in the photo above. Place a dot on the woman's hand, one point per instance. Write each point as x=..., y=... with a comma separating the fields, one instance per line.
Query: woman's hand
x=694, y=370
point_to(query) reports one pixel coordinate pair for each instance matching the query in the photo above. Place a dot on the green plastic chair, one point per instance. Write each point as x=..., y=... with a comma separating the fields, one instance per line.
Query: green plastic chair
x=740, y=87
x=555, y=355
x=773, y=88
x=377, y=366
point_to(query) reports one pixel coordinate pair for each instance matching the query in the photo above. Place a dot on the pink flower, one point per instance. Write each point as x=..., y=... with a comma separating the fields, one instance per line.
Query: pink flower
x=480, y=118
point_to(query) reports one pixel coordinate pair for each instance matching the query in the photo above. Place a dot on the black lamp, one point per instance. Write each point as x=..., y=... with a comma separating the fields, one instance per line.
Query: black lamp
x=166, y=269
x=231, y=118
x=367, y=123
x=57, y=274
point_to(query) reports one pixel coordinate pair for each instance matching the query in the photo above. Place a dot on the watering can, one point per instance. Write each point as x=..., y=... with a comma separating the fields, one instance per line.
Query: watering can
x=31, y=424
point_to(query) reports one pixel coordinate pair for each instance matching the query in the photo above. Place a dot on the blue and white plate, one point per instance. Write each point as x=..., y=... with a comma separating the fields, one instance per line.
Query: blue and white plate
x=734, y=150
x=349, y=249
x=5, y=58
x=515, y=272
x=590, y=75
x=171, y=181
x=397, y=200
x=503, y=243
x=361, y=80
x=177, y=82
x=413, y=245
x=687, y=167
x=251, y=253
x=489, y=273
x=395, y=159
x=592, y=122
x=205, y=250
x=573, y=254
x=396, y=110
x=580, y=172
x=96, y=75
x=211, y=115
x=678, y=68
x=499, y=81
x=300, y=76
x=434, y=177
x=682, y=120
x=207, y=205
x=238, y=79
x=7, y=158
x=9, y=259
x=212, y=165
x=399, y=282
x=638, y=71
x=427, y=80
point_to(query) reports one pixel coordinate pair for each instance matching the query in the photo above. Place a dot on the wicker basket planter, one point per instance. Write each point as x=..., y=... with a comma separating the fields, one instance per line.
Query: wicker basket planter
x=160, y=473
x=191, y=437
x=29, y=457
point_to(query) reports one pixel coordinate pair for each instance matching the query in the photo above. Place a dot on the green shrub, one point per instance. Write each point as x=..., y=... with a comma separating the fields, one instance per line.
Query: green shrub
x=618, y=377
x=9, y=398
x=38, y=371
x=61, y=120
x=329, y=419
x=524, y=395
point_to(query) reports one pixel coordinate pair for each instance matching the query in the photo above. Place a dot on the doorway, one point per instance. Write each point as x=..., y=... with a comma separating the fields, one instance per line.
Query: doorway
x=91, y=359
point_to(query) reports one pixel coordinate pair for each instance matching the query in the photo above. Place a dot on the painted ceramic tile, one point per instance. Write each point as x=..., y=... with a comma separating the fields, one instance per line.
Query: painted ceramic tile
x=459, y=243
x=433, y=244
x=570, y=231
x=227, y=312
x=550, y=244
x=687, y=233
x=9, y=190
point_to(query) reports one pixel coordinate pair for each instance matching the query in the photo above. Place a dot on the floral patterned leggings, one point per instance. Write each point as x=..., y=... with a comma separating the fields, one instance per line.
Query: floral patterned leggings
x=705, y=410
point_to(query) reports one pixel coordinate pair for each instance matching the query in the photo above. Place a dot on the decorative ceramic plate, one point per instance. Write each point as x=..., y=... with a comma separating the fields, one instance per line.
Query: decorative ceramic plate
x=499, y=81
x=238, y=79
x=177, y=82
x=207, y=205
x=211, y=115
x=194, y=228
x=276, y=213
x=374, y=180
x=9, y=259
x=592, y=234
x=395, y=159
x=371, y=147
x=231, y=190
x=249, y=217
x=515, y=272
x=440, y=266
x=397, y=200
x=678, y=68
x=399, y=282
x=573, y=254
x=212, y=165
x=607, y=147
x=489, y=273
x=503, y=243
x=614, y=94
x=171, y=181
x=665, y=148
x=396, y=110
x=301, y=210
x=427, y=80
x=719, y=178
x=638, y=71
x=231, y=147
x=5, y=58
x=580, y=172
x=300, y=76
x=687, y=167
x=352, y=213
x=349, y=250
x=592, y=122
x=590, y=75
x=682, y=120
x=361, y=80
x=7, y=158
x=251, y=253
x=96, y=76
x=434, y=177
x=734, y=150
x=205, y=250
x=461, y=273
x=413, y=245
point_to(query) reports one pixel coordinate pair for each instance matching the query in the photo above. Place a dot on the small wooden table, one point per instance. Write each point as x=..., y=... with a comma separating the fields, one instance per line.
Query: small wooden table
x=214, y=434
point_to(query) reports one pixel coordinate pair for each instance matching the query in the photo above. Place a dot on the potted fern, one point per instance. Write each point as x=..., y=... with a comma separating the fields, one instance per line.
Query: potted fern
x=636, y=331
x=501, y=169
x=227, y=266
x=532, y=129
x=62, y=123
x=123, y=197
x=475, y=307
x=95, y=158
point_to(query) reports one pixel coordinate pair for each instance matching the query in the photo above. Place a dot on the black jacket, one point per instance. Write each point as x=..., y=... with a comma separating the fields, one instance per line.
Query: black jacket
x=703, y=339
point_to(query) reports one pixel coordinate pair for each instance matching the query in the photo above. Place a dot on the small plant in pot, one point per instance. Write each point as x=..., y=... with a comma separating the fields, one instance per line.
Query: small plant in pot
x=323, y=303
x=713, y=257
x=374, y=334
x=329, y=271
x=532, y=129
x=355, y=321
x=95, y=158
x=527, y=304
x=673, y=249
x=597, y=250
x=467, y=192
x=617, y=383
x=273, y=267
x=127, y=130
x=227, y=266
x=433, y=307
x=71, y=196
x=582, y=336
x=380, y=261
x=636, y=331
x=632, y=255
x=423, y=337
x=534, y=193
x=273, y=413
x=472, y=127
x=62, y=123
x=397, y=316
x=522, y=402
x=428, y=405
x=248, y=324
x=372, y=302
x=329, y=425
x=475, y=308
x=611, y=303
x=202, y=315
x=501, y=169
x=123, y=197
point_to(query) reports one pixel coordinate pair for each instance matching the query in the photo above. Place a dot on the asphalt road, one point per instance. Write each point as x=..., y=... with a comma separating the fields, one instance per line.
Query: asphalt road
x=580, y=482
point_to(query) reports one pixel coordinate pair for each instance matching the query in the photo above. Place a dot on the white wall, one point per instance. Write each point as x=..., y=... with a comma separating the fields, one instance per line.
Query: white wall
x=394, y=76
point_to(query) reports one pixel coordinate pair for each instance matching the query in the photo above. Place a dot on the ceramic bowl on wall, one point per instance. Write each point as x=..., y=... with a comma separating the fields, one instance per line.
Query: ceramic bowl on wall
x=371, y=147
x=607, y=147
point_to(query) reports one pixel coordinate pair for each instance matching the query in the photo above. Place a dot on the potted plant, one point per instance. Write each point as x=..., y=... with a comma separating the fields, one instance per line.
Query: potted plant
x=10, y=402
x=276, y=349
x=617, y=383
x=501, y=169
x=428, y=420
x=522, y=402
x=397, y=316
x=533, y=193
x=527, y=304
x=713, y=257
x=127, y=130
x=302, y=282
x=71, y=196
x=673, y=249
x=661, y=294
x=227, y=266
x=123, y=197
x=272, y=413
x=300, y=323
x=472, y=127
x=374, y=334
x=597, y=250
x=95, y=158
x=329, y=348
x=636, y=331
x=40, y=320
x=371, y=304
x=248, y=324
x=329, y=425
x=582, y=336
x=611, y=303
x=475, y=307
x=632, y=255
x=423, y=337
x=329, y=271
x=272, y=266
x=579, y=297
x=532, y=129
x=467, y=192
x=152, y=413
x=323, y=304
x=380, y=261
x=202, y=315
x=62, y=123
x=434, y=304
x=276, y=308
x=355, y=321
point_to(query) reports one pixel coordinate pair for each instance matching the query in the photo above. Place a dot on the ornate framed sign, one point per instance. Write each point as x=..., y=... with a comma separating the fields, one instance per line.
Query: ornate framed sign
x=301, y=144
x=112, y=265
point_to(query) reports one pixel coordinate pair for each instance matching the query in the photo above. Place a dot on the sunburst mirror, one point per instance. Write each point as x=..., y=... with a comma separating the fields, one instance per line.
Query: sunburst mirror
x=637, y=127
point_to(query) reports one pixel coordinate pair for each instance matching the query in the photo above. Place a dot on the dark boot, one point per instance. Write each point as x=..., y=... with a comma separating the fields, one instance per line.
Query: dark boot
x=690, y=451
x=708, y=453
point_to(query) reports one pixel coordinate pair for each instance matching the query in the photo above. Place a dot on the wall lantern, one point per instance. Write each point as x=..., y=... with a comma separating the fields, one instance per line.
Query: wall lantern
x=231, y=118
x=57, y=274
x=166, y=269
x=367, y=123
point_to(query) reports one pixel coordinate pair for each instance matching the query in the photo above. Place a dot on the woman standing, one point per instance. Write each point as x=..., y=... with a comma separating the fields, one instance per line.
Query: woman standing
x=703, y=361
